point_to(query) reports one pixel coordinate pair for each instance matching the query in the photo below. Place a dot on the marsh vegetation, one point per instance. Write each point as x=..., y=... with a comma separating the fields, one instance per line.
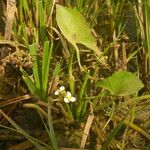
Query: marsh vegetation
x=74, y=74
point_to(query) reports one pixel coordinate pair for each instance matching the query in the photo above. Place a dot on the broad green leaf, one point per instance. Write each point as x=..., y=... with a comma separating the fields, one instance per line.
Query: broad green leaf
x=121, y=83
x=75, y=29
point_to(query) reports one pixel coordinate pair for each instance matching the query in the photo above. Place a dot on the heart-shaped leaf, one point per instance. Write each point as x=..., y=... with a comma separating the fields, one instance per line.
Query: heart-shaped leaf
x=121, y=83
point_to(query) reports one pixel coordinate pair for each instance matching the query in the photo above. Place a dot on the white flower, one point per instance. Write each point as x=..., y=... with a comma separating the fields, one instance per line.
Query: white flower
x=56, y=92
x=66, y=100
x=68, y=94
x=62, y=88
x=69, y=99
x=73, y=99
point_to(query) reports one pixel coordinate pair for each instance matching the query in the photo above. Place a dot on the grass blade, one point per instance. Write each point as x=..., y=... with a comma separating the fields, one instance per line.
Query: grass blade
x=42, y=22
x=112, y=135
x=31, y=86
x=47, y=53
x=51, y=128
x=34, y=141
x=36, y=66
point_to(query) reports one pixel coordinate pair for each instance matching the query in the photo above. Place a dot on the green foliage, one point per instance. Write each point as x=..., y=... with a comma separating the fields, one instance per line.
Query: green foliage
x=42, y=21
x=75, y=29
x=34, y=27
x=111, y=136
x=30, y=84
x=142, y=13
x=47, y=54
x=34, y=17
x=38, y=85
x=121, y=83
x=51, y=131
x=73, y=26
x=82, y=105
x=115, y=9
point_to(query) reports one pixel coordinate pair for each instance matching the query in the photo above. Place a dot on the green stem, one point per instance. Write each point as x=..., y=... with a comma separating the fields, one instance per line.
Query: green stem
x=71, y=77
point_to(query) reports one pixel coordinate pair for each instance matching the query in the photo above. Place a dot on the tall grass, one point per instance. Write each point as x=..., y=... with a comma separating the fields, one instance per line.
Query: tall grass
x=142, y=11
x=34, y=17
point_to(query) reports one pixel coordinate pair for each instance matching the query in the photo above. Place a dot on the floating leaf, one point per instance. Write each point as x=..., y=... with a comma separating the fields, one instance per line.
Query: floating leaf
x=121, y=83
x=75, y=29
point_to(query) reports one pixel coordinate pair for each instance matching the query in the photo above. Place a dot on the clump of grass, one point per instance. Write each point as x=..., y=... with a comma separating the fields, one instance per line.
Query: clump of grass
x=142, y=9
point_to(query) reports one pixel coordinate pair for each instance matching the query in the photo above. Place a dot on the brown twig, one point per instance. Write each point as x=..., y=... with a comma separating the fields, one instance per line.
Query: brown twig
x=15, y=100
x=86, y=130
